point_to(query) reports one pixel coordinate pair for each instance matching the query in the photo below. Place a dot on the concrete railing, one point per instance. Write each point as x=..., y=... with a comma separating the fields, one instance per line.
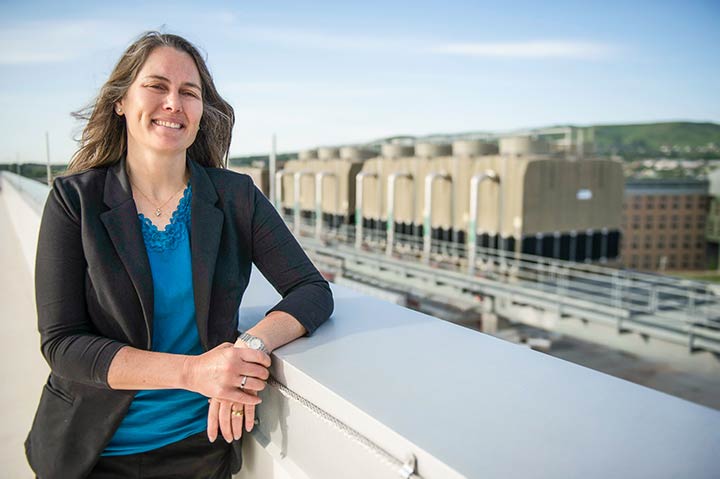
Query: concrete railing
x=384, y=392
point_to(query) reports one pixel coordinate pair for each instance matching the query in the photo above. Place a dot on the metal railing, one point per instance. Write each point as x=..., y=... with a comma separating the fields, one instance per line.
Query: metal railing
x=679, y=310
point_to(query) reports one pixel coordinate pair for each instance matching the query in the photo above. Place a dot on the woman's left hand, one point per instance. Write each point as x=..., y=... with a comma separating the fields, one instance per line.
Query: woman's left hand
x=221, y=416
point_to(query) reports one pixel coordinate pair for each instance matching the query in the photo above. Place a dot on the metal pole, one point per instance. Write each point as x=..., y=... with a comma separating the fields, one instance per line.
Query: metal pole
x=47, y=151
x=272, y=167
x=359, y=196
x=475, y=182
x=501, y=212
x=278, y=189
x=390, y=237
x=427, y=213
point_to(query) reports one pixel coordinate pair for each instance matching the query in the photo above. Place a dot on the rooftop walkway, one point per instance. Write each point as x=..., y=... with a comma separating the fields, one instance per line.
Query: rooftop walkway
x=22, y=367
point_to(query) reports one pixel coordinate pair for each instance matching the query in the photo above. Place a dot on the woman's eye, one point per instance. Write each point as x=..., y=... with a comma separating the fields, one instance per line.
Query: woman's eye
x=156, y=87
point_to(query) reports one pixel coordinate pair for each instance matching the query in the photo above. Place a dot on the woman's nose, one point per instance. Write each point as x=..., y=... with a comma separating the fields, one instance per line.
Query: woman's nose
x=172, y=102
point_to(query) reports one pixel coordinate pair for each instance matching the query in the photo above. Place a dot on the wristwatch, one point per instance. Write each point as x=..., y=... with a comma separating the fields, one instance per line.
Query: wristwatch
x=253, y=342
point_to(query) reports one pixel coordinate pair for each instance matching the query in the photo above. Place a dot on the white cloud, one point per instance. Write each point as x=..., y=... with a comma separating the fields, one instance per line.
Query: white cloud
x=58, y=41
x=537, y=49
x=529, y=50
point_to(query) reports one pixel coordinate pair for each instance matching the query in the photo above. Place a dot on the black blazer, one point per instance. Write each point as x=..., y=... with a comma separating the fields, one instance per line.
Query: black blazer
x=94, y=295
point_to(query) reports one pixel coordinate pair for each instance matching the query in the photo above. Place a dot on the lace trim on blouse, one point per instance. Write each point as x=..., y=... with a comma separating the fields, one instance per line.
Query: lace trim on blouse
x=174, y=232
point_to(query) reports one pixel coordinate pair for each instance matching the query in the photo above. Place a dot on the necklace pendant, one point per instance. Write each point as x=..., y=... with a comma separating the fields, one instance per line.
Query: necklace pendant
x=158, y=212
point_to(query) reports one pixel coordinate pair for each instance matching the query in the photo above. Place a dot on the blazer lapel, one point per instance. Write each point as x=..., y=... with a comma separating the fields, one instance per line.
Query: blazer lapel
x=205, y=230
x=122, y=224
x=125, y=232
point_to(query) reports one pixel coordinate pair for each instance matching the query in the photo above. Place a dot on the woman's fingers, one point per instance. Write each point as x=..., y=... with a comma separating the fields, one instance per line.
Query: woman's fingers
x=225, y=422
x=253, y=356
x=251, y=385
x=253, y=370
x=212, y=427
x=237, y=417
x=249, y=418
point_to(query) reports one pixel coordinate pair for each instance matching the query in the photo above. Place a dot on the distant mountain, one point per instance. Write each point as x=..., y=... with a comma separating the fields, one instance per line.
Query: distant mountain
x=665, y=139
x=672, y=139
x=648, y=140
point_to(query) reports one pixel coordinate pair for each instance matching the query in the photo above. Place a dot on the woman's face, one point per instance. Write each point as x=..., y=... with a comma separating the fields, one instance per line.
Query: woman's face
x=163, y=106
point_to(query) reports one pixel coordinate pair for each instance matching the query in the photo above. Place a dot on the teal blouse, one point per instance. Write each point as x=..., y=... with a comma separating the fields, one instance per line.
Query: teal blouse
x=157, y=418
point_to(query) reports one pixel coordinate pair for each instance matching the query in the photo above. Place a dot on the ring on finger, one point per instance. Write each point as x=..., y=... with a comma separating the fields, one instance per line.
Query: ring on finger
x=242, y=383
x=237, y=413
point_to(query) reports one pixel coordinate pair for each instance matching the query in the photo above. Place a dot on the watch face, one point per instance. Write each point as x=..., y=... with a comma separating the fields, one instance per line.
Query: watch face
x=254, y=343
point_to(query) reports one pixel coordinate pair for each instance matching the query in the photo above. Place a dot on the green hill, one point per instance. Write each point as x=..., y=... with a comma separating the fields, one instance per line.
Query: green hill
x=667, y=139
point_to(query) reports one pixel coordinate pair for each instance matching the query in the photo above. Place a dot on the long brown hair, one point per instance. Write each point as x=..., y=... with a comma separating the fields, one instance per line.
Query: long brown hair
x=104, y=138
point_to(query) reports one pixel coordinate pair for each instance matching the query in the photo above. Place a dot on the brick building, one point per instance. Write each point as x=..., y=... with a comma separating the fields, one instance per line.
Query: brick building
x=713, y=220
x=664, y=224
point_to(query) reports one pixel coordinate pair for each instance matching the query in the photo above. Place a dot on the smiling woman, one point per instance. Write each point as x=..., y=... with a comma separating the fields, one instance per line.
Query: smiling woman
x=163, y=106
x=144, y=252
x=105, y=134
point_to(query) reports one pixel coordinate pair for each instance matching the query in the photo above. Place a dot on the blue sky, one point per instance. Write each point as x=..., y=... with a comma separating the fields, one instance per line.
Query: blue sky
x=331, y=73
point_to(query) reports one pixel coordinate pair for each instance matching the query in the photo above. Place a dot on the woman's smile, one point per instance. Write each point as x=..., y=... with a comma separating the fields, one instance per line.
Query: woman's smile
x=168, y=124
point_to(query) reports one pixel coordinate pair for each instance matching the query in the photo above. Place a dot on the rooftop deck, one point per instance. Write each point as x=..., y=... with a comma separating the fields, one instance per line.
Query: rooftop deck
x=379, y=384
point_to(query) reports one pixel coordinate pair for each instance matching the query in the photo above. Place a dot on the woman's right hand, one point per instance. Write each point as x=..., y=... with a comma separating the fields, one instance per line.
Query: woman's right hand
x=219, y=372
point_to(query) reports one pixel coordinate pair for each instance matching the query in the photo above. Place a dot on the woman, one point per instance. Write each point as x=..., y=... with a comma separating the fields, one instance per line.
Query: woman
x=144, y=252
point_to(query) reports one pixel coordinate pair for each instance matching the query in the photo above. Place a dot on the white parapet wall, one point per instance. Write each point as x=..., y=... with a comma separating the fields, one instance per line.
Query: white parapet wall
x=22, y=207
x=379, y=384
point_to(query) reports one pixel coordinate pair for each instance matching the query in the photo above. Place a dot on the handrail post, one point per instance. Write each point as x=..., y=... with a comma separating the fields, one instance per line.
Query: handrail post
x=427, y=213
x=475, y=182
x=390, y=237
x=359, y=195
x=279, y=189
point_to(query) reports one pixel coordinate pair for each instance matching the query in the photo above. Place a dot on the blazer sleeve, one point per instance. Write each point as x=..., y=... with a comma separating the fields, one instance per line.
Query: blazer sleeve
x=281, y=259
x=68, y=343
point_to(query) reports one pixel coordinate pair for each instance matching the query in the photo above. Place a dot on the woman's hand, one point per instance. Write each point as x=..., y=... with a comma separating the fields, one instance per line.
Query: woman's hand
x=219, y=374
x=223, y=415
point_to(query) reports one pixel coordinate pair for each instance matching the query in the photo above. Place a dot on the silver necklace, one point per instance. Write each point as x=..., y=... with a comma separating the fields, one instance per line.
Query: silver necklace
x=158, y=209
